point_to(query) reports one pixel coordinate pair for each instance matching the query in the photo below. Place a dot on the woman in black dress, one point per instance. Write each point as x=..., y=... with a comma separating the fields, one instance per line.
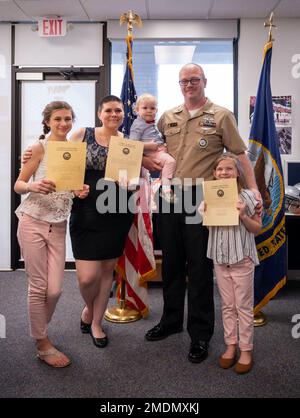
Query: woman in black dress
x=98, y=236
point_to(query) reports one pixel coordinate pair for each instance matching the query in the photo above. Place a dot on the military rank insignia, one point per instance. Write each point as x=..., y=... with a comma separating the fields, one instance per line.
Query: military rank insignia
x=208, y=121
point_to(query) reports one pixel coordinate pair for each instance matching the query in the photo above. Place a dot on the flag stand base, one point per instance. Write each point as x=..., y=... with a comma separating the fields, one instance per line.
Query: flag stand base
x=122, y=313
x=260, y=319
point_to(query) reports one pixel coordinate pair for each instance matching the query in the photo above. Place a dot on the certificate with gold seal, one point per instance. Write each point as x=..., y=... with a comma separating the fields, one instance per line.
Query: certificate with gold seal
x=221, y=197
x=65, y=164
x=124, y=160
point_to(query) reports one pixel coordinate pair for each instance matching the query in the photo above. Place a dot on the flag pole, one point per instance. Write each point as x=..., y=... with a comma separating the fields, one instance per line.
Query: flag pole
x=269, y=24
x=260, y=318
x=122, y=313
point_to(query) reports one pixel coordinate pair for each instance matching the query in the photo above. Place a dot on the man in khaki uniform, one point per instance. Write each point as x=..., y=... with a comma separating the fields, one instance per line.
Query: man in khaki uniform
x=196, y=134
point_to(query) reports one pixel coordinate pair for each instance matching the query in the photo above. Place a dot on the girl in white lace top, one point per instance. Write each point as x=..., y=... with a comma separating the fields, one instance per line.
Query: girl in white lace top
x=42, y=229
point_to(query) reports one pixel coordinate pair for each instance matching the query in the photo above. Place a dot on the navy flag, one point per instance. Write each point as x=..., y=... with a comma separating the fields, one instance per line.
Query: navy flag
x=264, y=154
x=128, y=94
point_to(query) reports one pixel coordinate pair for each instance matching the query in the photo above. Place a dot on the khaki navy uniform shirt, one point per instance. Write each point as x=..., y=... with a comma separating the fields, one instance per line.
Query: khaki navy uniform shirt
x=197, y=141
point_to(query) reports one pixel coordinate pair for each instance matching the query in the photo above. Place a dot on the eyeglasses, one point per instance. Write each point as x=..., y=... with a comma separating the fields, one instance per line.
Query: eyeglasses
x=194, y=81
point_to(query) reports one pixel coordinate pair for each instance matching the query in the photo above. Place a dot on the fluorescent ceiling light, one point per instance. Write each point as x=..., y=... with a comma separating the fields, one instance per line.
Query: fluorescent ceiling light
x=173, y=54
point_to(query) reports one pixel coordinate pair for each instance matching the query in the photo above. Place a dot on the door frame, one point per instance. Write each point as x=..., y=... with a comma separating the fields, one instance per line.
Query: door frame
x=49, y=74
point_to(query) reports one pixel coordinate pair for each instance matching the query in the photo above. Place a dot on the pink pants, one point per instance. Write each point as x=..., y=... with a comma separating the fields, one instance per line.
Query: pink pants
x=236, y=287
x=43, y=248
x=167, y=161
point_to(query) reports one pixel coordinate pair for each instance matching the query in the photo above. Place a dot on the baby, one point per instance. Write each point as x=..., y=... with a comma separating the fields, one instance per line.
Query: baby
x=144, y=129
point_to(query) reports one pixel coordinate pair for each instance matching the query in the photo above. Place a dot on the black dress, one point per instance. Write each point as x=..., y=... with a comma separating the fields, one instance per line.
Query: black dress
x=99, y=224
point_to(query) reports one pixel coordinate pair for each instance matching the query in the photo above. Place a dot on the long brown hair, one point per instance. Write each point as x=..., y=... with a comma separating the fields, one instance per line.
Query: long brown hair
x=241, y=177
x=49, y=109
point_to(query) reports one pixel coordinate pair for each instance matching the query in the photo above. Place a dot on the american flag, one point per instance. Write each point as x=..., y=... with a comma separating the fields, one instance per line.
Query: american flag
x=137, y=264
x=128, y=94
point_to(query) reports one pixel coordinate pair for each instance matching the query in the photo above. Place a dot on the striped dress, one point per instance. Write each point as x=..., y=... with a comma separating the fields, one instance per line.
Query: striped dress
x=231, y=244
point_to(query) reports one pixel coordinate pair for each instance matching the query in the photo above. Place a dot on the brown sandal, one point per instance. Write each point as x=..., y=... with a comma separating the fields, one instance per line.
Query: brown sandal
x=53, y=352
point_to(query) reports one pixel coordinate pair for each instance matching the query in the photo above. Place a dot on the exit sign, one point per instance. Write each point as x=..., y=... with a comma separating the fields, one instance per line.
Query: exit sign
x=49, y=27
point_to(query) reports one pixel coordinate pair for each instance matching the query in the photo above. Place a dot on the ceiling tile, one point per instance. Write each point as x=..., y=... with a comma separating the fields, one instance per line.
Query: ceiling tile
x=10, y=12
x=241, y=9
x=70, y=9
x=113, y=9
x=103, y=10
x=288, y=8
x=170, y=9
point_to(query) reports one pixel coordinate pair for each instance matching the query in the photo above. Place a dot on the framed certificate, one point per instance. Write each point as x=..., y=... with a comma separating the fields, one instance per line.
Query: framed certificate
x=66, y=164
x=124, y=160
x=221, y=197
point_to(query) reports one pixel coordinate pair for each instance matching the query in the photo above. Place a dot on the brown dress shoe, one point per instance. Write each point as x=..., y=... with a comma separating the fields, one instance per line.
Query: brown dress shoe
x=226, y=363
x=241, y=368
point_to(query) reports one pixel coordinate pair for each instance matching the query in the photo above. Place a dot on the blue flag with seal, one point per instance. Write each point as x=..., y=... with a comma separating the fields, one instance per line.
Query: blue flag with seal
x=264, y=154
x=128, y=93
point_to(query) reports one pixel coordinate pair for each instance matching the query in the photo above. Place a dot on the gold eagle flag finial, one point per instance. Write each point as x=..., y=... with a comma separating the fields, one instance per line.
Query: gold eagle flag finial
x=269, y=24
x=131, y=19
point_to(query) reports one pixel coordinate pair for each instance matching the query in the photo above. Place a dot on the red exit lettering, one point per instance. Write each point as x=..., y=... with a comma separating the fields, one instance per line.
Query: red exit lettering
x=52, y=27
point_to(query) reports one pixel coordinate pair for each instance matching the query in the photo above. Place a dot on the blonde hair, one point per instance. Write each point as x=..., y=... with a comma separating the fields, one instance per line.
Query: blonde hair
x=229, y=156
x=145, y=96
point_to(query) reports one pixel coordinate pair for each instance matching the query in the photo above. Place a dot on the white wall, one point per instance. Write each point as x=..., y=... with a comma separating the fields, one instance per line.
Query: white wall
x=82, y=47
x=283, y=81
x=176, y=29
x=5, y=144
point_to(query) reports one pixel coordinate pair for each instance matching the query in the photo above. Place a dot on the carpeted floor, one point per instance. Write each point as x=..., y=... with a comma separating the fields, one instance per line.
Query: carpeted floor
x=131, y=367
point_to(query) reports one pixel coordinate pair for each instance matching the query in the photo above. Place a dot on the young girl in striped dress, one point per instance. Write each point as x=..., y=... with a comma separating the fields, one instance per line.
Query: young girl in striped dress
x=233, y=251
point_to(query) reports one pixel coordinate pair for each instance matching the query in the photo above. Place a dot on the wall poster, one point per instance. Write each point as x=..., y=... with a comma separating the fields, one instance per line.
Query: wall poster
x=282, y=106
